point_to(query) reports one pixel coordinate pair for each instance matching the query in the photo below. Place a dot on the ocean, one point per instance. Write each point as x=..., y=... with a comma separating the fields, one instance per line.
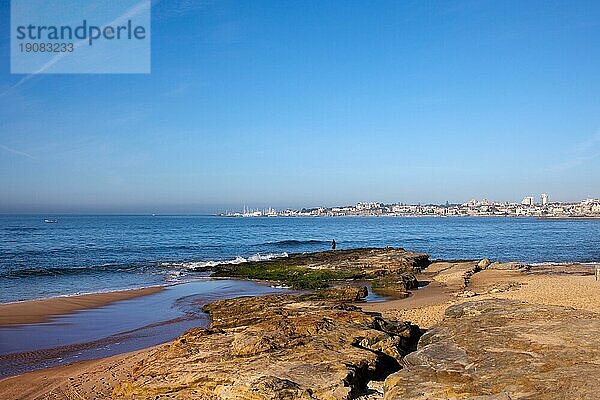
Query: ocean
x=87, y=254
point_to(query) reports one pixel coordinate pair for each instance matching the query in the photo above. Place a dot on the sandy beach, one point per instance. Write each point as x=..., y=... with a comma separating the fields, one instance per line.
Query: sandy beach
x=108, y=324
x=36, y=311
x=95, y=378
x=559, y=285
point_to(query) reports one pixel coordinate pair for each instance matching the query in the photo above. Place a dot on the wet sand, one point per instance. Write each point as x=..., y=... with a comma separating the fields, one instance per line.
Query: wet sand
x=424, y=307
x=95, y=378
x=124, y=325
x=36, y=311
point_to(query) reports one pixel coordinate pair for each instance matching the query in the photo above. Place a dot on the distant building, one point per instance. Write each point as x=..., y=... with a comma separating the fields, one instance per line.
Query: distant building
x=527, y=201
x=527, y=207
x=367, y=206
x=471, y=203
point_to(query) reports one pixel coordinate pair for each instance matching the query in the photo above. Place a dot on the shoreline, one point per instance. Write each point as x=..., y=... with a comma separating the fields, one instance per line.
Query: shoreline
x=43, y=310
x=425, y=307
x=574, y=217
x=95, y=326
x=444, y=285
x=537, y=217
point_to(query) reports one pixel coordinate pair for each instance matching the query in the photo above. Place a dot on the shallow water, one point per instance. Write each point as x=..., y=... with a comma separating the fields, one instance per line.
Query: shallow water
x=116, y=328
x=82, y=254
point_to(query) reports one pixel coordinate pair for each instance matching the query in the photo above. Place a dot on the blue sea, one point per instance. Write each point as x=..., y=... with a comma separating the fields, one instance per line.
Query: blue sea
x=87, y=254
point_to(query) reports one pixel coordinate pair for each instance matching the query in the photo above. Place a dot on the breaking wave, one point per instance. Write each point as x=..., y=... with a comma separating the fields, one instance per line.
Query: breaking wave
x=199, y=265
x=134, y=268
x=551, y=263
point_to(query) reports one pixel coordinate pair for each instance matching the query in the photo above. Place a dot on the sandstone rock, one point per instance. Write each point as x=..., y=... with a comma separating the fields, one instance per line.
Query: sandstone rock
x=374, y=391
x=454, y=275
x=339, y=293
x=275, y=347
x=503, y=349
x=483, y=264
x=373, y=261
x=504, y=287
x=317, y=270
x=395, y=285
x=512, y=266
x=466, y=293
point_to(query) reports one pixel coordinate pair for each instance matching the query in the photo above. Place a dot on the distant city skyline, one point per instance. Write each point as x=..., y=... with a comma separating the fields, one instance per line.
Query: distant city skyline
x=315, y=103
x=216, y=209
x=541, y=199
x=528, y=207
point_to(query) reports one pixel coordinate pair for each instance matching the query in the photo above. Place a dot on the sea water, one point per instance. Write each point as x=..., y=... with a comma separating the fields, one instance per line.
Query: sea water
x=87, y=254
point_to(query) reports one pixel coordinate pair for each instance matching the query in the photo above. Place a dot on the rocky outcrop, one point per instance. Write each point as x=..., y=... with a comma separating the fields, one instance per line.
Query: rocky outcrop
x=455, y=276
x=371, y=261
x=348, y=294
x=503, y=349
x=318, y=270
x=275, y=347
x=395, y=285
x=510, y=266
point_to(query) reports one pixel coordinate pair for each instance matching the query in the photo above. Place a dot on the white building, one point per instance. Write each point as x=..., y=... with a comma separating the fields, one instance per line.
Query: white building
x=545, y=199
x=527, y=201
x=367, y=206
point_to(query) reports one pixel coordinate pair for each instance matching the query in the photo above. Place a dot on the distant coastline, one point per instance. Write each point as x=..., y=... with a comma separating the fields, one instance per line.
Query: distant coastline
x=554, y=218
x=42, y=310
x=585, y=209
x=573, y=217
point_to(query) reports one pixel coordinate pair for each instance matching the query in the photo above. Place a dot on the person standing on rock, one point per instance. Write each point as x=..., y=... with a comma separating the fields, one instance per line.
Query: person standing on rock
x=333, y=244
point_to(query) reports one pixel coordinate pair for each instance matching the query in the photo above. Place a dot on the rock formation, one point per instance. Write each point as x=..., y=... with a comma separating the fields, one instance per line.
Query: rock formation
x=339, y=293
x=392, y=268
x=503, y=349
x=512, y=266
x=395, y=284
x=275, y=347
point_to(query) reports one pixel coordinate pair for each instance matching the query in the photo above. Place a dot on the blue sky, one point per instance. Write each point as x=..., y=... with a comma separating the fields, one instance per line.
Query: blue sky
x=271, y=103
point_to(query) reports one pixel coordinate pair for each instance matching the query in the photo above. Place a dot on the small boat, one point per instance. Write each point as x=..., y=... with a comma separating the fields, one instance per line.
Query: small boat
x=51, y=221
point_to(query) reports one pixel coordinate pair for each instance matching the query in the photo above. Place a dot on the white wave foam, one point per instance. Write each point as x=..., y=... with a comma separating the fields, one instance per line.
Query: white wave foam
x=551, y=263
x=194, y=265
x=268, y=256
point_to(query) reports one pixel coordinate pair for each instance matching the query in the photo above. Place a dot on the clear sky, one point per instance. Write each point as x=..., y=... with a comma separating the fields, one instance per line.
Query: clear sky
x=284, y=103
